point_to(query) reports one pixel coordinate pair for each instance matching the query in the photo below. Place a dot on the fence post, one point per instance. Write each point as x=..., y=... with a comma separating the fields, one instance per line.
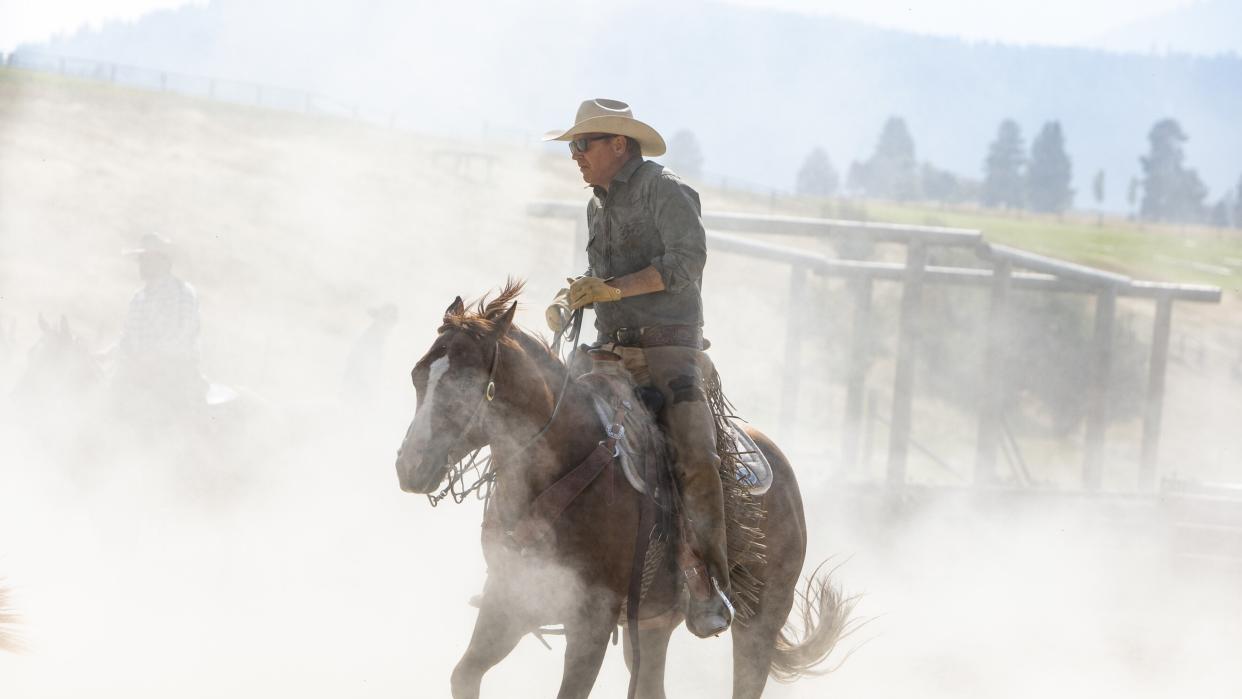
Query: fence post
x=792, y=370
x=1097, y=393
x=992, y=391
x=856, y=381
x=1154, y=407
x=903, y=381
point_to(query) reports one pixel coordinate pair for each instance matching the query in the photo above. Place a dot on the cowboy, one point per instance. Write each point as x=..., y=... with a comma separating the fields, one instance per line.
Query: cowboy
x=646, y=254
x=157, y=376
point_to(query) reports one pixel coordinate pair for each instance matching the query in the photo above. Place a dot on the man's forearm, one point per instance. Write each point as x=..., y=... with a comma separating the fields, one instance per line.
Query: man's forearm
x=645, y=281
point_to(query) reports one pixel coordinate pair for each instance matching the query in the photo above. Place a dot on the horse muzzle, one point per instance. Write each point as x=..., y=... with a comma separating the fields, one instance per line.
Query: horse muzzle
x=420, y=471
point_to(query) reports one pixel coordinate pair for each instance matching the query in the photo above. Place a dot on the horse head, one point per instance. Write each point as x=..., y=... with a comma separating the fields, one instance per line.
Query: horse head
x=454, y=380
x=58, y=364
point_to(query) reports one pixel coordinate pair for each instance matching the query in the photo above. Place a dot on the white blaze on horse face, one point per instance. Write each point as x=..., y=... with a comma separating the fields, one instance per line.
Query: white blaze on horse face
x=420, y=431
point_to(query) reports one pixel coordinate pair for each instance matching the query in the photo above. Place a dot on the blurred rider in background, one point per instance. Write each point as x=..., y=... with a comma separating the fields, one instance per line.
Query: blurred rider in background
x=157, y=380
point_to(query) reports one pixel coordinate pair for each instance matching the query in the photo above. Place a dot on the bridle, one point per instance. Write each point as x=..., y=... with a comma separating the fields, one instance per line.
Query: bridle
x=482, y=466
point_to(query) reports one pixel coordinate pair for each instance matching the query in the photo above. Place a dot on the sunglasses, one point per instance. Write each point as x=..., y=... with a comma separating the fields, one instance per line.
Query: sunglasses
x=582, y=143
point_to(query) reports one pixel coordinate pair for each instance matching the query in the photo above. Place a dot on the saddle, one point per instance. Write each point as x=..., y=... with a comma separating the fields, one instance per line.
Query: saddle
x=642, y=444
x=745, y=472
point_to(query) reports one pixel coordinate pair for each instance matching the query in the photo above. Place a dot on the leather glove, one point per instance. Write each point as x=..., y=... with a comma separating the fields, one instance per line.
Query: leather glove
x=557, y=315
x=588, y=290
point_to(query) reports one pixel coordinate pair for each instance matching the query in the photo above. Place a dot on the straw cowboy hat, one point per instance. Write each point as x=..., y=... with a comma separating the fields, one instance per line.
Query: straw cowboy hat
x=614, y=117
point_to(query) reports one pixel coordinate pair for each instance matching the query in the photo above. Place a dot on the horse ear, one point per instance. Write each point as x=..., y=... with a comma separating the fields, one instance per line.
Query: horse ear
x=504, y=322
x=456, y=308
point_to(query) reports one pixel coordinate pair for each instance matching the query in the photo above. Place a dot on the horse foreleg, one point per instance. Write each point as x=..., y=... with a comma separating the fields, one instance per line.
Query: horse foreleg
x=586, y=642
x=653, y=651
x=496, y=633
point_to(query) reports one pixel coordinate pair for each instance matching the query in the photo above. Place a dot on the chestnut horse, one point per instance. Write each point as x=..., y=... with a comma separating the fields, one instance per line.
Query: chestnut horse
x=485, y=382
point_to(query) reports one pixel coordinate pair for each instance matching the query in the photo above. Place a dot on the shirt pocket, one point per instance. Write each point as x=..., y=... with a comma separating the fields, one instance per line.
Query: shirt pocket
x=635, y=242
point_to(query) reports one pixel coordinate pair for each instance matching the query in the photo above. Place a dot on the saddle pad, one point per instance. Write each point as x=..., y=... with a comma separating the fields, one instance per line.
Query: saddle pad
x=752, y=470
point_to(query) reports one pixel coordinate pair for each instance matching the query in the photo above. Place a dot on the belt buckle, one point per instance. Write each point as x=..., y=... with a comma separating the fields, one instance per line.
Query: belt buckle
x=629, y=337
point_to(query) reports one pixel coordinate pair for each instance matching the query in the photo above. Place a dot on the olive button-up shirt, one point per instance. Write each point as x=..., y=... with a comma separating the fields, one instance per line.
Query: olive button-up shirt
x=648, y=217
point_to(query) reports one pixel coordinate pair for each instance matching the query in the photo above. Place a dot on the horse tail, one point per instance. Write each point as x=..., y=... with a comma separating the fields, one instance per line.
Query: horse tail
x=9, y=640
x=825, y=614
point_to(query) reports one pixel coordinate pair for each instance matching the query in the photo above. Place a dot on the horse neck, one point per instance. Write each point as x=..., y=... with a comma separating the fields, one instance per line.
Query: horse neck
x=526, y=460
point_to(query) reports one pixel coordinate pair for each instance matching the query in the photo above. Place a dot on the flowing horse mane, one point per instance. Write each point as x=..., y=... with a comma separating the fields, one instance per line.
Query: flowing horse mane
x=482, y=318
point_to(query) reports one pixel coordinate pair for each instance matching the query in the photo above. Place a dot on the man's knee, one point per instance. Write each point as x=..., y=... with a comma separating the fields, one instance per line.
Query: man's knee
x=687, y=388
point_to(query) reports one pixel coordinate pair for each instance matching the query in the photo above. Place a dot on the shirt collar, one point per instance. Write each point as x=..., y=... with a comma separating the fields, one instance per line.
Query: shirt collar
x=623, y=175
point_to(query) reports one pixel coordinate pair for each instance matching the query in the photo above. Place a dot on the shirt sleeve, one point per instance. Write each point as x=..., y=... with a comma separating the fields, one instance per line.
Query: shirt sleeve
x=590, y=218
x=679, y=222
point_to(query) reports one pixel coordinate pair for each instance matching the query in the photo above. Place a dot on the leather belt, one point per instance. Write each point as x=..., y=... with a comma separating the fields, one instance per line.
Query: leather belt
x=659, y=336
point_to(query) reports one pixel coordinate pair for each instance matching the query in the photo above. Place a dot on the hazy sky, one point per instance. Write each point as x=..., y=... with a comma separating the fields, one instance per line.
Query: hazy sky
x=1014, y=21
x=1026, y=21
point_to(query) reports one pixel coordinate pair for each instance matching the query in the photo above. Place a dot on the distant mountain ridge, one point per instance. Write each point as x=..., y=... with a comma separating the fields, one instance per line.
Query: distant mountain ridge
x=759, y=88
x=1211, y=27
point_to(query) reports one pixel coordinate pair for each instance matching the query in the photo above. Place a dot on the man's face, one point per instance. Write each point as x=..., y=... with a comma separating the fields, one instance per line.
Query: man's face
x=152, y=266
x=602, y=159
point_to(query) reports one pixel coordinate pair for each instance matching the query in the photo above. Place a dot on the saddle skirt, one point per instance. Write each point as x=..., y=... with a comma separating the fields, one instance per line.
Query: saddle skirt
x=643, y=439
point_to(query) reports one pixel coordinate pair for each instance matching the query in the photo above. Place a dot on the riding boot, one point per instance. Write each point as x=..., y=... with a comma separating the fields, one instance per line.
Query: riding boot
x=709, y=611
x=677, y=372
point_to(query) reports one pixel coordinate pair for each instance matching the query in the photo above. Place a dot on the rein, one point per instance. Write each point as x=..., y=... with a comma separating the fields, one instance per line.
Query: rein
x=482, y=466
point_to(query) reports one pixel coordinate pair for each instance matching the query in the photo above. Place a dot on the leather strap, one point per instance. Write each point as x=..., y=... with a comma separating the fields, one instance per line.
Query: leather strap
x=660, y=336
x=634, y=595
x=549, y=505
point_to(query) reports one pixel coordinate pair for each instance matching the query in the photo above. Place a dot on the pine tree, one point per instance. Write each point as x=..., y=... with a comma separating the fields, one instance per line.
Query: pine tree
x=817, y=177
x=1170, y=191
x=1237, y=205
x=684, y=155
x=1050, y=172
x=939, y=185
x=1097, y=191
x=891, y=173
x=1219, y=214
x=1003, y=182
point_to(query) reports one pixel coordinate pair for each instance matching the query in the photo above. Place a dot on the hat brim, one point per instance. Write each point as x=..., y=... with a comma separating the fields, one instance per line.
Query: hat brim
x=649, y=140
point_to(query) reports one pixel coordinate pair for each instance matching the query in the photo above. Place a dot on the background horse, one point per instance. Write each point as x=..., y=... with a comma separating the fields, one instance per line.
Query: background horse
x=485, y=382
x=71, y=411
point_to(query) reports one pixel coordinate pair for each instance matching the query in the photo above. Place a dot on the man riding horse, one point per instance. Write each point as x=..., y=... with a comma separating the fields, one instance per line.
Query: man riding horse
x=646, y=254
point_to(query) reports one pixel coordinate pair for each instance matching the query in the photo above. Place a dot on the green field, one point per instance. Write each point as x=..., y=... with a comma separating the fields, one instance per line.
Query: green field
x=1157, y=252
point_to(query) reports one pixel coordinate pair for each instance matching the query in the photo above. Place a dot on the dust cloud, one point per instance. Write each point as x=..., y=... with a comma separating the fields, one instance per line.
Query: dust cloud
x=280, y=557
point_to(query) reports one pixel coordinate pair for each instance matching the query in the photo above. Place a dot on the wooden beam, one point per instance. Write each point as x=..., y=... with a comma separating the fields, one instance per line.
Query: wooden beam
x=992, y=392
x=1097, y=392
x=856, y=381
x=903, y=381
x=1154, y=404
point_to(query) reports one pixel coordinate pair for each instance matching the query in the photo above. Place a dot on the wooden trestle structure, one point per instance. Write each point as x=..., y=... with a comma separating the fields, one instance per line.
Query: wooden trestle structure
x=1005, y=269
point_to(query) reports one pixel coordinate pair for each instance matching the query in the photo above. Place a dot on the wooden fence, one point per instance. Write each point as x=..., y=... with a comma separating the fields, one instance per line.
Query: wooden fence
x=1003, y=269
